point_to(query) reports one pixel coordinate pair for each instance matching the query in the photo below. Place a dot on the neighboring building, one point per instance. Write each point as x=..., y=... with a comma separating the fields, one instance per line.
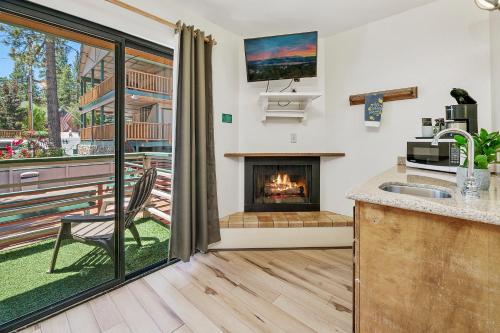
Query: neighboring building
x=148, y=109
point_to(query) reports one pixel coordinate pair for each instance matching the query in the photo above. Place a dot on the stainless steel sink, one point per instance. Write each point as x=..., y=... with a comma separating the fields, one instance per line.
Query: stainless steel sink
x=416, y=190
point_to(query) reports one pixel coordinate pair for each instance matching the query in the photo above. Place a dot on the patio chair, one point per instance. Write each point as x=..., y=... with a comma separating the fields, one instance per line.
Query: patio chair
x=100, y=230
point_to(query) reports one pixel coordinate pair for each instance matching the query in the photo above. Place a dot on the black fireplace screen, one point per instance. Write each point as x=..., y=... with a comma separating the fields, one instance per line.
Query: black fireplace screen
x=281, y=184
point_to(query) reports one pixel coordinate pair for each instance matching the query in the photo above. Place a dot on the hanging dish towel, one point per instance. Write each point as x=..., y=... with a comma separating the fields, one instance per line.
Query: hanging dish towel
x=374, y=104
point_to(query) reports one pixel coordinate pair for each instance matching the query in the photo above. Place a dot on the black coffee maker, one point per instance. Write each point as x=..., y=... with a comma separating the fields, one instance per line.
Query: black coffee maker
x=463, y=115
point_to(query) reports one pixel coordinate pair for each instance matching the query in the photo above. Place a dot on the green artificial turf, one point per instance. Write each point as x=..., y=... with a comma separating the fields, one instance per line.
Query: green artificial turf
x=25, y=285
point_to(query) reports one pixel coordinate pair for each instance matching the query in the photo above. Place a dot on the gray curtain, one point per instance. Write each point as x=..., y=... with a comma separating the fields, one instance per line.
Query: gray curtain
x=195, y=215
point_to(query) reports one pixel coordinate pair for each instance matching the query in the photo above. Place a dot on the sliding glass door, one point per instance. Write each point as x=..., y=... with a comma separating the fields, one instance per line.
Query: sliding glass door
x=148, y=144
x=51, y=87
x=85, y=112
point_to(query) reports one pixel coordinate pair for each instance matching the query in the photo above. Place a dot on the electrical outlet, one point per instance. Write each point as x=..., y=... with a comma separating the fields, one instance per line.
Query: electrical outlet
x=293, y=138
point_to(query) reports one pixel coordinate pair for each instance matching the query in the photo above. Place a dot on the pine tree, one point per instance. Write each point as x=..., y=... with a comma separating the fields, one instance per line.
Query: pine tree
x=38, y=51
x=53, y=119
x=67, y=85
x=11, y=113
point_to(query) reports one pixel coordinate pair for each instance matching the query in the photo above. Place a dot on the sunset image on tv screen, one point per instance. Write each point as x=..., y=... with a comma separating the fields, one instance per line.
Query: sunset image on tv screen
x=281, y=57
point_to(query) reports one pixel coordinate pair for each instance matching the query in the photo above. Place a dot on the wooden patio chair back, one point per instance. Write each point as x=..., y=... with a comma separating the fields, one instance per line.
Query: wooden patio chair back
x=98, y=230
x=140, y=195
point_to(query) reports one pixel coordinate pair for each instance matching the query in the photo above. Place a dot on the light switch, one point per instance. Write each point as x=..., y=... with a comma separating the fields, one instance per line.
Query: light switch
x=293, y=138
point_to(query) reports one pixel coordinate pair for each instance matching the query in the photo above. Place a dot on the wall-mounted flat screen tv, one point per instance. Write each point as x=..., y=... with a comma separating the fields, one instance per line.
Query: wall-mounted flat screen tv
x=291, y=56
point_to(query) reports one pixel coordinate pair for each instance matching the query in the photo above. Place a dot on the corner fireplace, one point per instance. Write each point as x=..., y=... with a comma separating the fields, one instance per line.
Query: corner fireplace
x=282, y=184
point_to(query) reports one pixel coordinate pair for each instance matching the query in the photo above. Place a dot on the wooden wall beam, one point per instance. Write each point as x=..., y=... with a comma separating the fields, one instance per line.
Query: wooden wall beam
x=389, y=95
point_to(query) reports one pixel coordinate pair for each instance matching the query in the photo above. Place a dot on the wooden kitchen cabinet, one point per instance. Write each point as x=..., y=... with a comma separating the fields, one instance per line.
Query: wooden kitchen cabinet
x=419, y=272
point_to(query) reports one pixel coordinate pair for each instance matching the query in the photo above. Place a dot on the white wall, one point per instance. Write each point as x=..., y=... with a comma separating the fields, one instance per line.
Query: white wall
x=225, y=67
x=436, y=47
x=274, y=134
x=495, y=67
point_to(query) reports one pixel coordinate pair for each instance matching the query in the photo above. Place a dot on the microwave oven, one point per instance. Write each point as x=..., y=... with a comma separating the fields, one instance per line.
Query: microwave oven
x=446, y=156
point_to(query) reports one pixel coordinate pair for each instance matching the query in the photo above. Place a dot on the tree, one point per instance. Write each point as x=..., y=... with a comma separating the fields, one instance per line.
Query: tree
x=39, y=117
x=67, y=85
x=53, y=119
x=11, y=115
x=20, y=74
x=38, y=50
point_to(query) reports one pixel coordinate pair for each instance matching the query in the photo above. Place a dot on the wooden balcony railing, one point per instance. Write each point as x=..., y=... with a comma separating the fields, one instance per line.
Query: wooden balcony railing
x=148, y=131
x=133, y=131
x=10, y=134
x=134, y=80
x=101, y=132
x=32, y=211
x=98, y=91
x=148, y=82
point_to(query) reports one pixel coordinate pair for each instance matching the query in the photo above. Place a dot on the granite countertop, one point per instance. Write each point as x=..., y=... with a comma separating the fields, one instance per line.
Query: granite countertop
x=486, y=209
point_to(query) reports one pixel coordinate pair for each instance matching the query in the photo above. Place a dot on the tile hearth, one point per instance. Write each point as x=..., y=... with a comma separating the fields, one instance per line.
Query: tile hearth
x=323, y=219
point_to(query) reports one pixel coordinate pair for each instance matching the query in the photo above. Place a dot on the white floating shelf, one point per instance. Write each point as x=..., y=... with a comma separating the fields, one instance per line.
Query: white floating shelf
x=286, y=104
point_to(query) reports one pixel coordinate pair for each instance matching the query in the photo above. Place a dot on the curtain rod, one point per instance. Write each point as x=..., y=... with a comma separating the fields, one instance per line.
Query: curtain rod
x=141, y=12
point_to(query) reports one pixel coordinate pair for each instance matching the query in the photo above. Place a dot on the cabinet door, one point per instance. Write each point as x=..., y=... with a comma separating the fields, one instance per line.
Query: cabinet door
x=420, y=272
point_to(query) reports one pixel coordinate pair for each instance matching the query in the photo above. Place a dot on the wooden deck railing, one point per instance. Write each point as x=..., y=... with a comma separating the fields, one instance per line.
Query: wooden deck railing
x=133, y=131
x=148, y=82
x=101, y=132
x=134, y=80
x=98, y=91
x=10, y=134
x=148, y=131
x=85, y=185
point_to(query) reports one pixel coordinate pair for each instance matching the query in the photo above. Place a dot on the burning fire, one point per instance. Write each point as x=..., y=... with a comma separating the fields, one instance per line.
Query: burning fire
x=281, y=184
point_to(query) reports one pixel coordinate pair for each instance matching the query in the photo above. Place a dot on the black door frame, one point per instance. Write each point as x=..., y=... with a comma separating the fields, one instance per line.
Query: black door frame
x=121, y=40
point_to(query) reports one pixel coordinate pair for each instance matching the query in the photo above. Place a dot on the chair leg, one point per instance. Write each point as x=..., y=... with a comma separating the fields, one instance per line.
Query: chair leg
x=104, y=207
x=135, y=233
x=109, y=246
x=63, y=232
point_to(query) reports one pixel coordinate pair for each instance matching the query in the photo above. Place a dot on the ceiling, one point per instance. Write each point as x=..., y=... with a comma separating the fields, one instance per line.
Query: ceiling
x=252, y=18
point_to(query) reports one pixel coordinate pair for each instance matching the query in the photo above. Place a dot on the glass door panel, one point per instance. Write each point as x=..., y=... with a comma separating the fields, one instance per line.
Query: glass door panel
x=57, y=139
x=148, y=144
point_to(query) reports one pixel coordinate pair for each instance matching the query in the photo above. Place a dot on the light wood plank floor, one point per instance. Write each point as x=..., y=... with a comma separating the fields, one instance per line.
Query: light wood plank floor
x=229, y=291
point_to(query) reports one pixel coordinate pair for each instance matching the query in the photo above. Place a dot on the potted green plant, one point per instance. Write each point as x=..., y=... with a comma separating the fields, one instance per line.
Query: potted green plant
x=485, y=153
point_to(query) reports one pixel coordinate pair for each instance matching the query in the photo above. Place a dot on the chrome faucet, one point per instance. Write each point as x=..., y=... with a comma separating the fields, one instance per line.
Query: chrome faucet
x=470, y=190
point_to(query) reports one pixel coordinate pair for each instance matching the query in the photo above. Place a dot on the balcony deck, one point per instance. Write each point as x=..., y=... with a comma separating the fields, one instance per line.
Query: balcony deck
x=26, y=285
x=149, y=85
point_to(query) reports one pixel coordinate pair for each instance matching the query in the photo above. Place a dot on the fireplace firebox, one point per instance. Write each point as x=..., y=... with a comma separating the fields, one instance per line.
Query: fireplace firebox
x=282, y=184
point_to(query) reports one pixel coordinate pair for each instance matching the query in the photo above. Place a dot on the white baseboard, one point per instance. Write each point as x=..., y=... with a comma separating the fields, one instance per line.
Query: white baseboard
x=266, y=238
